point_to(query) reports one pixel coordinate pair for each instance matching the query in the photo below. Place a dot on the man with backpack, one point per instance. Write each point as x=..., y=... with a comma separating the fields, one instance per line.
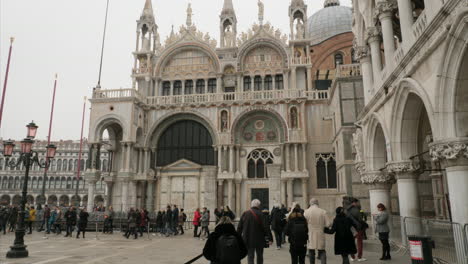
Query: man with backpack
x=297, y=232
x=182, y=219
x=225, y=245
x=255, y=231
x=354, y=213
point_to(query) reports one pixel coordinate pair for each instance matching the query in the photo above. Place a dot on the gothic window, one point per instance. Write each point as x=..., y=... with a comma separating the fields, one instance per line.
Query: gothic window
x=256, y=163
x=76, y=165
x=189, y=87
x=200, y=87
x=326, y=171
x=104, y=165
x=268, y=82
x=294, y=117
x=247, y=83
x=258, y=83
x=65, y=162
x=212, y=86
x=185, y=139
x=70, y=165
x=338, y=59
x=177, y=88
x=59, y=165
x=279, y=82
x=53, y=165
x=166, y=88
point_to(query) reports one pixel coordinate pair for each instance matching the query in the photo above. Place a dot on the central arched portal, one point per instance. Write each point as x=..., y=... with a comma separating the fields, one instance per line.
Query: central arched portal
x=185, y=139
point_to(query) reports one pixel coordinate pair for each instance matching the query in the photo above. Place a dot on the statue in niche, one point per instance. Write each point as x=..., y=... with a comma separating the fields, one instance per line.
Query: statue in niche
x=357, y=139
x=261, y=11
x=143, y=65
x=300, y=29
x=146, y=45
x=229, y=37
x=224, y=121
x=294, y=117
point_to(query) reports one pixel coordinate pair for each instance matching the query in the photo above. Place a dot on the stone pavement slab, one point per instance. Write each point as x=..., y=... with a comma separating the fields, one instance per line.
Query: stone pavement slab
x=116, y=249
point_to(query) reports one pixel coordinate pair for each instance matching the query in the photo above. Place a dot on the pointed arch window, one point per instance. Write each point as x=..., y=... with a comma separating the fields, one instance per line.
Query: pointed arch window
x=338, y=59
x=268, y=82
x=326, y=171
x=212, y=86
x=258, y=83
x=189, y=87
x=279, y=85
x=200, y=87
x=247, y=83
x=257, y=162
x=177, y=88
x=166, y=88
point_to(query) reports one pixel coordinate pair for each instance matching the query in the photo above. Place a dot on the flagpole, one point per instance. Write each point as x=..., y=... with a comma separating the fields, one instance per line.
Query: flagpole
x=48, y=139
x=6, y=80
x=81, y=149
x=102, y=48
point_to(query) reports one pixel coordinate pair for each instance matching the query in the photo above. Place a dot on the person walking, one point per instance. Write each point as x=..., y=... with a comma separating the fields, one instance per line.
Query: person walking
x=225, y=245
x=169, y=220
x=382, y=229
x=82, y=223
x=51, y=221
x=58, y=221
x=132, y=217
x=143, y=217
x=31, y=218
x=317, y=220
x=344, y=239
x=45, y=218
x=278, y=222
x=205, y=222
x=3, y=219
x=297, y=232
x=159, y=222
x=175, y=220
x=13, y=219
x=255, y=231
x=354, y=213
x=181, y=222
x=109, y=220
x=70, y=220
x=196, y=222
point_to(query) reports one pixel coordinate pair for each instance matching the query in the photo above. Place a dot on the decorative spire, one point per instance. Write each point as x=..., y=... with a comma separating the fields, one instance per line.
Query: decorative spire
x=189, y=15
x=228, y=5
x=261, y=11
x=148, y=10
x=329, y=3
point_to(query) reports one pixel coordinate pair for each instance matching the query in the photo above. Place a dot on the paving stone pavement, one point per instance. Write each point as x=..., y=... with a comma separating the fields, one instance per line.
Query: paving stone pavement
x=116, y=249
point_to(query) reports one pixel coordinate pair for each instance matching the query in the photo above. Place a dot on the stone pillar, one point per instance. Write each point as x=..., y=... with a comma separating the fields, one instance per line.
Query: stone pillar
x=405, y=10
x=309, y=76
x=380, y=186
x=290, y=193
x=109, y=186
x=230, y=193
x=206, y=87
x=138, y=168
x=283, y=192
x=172, y=88
x=129, y=156
x=374, y=43
x=220, y=159
x=453, y=154
x=305, y=193
x=209, y=194
x=287, y=159
x=219, y=83
x=367, y=75
x=274, y=181
x=231, y=159
x=296, y=158
x=239, y=84
x=220, y=193
x=238, y=198
x=385, y=16
x=304, y=157
x=293, y=78
x=122, y=156
x=91, y=188
x=146, y=161
x=150, y=196
x=124, y=197
x=132, y=186
x=286, y=80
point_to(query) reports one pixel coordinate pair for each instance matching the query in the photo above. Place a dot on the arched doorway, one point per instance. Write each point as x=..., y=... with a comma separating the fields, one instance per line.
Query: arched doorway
x=64, y=200
x=76, y=200
x=98, y=201
x=16, y=200
x=52, y=200
x=5, y=200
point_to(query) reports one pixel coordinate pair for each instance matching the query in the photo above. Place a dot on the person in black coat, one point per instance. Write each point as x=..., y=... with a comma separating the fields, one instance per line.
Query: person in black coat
x=255, y=231
x=82, y=223
x=344, y=239
x=212, y=250
x=297, y=231
x=278, y=222
x=70, y=219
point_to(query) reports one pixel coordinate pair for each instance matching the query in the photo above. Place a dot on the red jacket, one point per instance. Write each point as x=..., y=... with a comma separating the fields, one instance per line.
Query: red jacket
x=196, y=218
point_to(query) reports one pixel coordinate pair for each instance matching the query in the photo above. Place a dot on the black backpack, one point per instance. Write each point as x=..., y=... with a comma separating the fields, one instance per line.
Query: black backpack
x=228, y=250
x=299, y=235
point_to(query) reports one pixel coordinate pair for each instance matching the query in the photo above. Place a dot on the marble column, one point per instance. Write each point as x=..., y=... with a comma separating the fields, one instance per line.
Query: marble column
x=220, y=193
x=122, y=156
x=366, y=68
x=304, y=157
x=132, y=186
x=374, y=43
x=287, y=158
x=109, y=192
x=283, y=192
x=405, y=10
x=231, y=159
x=219, y=84
x=385, y=16
x=220, y=159
x=238, y=198
x=296, y=158
x=230, y=193
x=129, y=156
x=286, y=80
x=294, y=78
x=290, y=193
x=274, y=182
x=380, y=186
x=150, y=196
x=453, y=155
x=146, y=161
x=91, y=188
x=305, y=192
x=309, y=78
x=124, y=198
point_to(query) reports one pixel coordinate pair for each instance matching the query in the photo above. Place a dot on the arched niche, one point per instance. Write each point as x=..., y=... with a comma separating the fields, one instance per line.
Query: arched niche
x=259, y=127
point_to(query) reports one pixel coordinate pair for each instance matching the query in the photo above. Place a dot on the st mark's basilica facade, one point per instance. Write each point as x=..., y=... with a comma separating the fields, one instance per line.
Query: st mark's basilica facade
x=260, y=114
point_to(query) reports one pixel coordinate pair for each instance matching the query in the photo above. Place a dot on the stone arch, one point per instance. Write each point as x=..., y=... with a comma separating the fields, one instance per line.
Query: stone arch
x=377, y=140
x=76, y=200
x=451, y=93
x=52, y=200
x=411, y=103
x=5, y=199
x=250, y=113
x=112, y=121
x=16, y=199
x=64, y=200
x=30, y=199
x=159, y=127
x=247, y=47
x=167, y=55
x=98, y=200
x=40, y=199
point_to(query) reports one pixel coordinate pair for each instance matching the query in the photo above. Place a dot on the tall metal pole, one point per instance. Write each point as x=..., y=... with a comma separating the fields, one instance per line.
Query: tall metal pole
x=48, y=140
x=102, y=48
x=81, y=150
x=6, y=80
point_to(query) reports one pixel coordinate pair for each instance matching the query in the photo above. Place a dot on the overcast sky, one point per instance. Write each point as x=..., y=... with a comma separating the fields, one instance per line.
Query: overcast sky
x=64, y=37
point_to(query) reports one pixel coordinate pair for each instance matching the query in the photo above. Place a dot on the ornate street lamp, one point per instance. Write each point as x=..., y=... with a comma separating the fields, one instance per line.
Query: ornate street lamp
x=28, y=157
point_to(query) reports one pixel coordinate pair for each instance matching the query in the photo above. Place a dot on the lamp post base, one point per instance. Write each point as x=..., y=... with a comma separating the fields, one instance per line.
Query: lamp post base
x=18, y=251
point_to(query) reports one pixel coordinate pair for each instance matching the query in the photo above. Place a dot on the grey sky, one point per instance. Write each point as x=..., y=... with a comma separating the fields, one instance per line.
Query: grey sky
x=64, y=36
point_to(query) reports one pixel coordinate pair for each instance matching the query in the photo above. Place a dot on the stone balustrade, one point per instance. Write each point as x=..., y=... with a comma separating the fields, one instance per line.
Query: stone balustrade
x=348, y=70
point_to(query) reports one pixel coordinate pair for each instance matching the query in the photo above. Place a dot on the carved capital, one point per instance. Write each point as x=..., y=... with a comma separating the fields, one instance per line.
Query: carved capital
x=377, y=178
x=360, y=167
x=385, y=8
x=454, y=152
x=373, y=34
x=361, y=52
x=401, y=167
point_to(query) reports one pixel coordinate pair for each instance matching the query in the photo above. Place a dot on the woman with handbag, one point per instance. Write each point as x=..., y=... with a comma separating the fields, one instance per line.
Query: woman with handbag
x=381, y=228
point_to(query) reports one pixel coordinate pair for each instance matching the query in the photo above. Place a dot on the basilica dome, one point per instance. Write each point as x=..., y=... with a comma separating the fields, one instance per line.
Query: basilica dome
x=332, y=20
